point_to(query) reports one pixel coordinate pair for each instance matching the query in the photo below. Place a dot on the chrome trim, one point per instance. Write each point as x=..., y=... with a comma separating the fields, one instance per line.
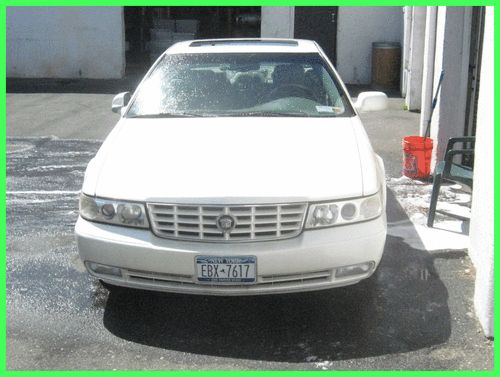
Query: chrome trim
x=199, y=221
x=165, y=279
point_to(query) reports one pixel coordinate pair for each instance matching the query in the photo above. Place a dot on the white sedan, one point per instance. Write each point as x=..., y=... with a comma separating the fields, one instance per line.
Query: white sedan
x=238, y=167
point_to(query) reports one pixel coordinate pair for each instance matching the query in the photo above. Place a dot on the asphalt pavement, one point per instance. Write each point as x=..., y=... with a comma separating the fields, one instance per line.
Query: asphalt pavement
x=415, y=313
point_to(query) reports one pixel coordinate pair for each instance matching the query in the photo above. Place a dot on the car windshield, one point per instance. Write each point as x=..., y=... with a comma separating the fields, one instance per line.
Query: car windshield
x=236, y=84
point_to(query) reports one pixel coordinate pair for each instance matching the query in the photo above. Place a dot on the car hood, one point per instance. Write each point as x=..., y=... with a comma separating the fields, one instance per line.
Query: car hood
x=230, y=160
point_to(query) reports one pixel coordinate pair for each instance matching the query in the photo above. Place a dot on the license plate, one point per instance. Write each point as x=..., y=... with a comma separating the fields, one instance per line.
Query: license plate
x=226, y=270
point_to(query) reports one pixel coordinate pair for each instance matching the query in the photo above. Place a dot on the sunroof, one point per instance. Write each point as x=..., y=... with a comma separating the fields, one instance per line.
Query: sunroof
x=243, y=42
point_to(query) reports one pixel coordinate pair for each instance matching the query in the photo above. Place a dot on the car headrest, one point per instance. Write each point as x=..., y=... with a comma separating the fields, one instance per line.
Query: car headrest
x=287, y=74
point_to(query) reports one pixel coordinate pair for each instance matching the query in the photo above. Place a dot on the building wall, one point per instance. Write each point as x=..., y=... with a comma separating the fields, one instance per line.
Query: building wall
x=277, y=22
x=65, y=42
x=452, y=56
x=451, y=53
x=414, y=70
x=358, y=28
x=428, y=67
x=482, y=218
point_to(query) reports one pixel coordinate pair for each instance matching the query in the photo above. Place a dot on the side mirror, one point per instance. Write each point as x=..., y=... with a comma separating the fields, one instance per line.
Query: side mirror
x=371, y=101
x=120, y=101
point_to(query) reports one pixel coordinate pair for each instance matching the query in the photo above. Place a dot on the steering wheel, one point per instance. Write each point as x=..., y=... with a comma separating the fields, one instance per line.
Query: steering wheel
x=292, y=90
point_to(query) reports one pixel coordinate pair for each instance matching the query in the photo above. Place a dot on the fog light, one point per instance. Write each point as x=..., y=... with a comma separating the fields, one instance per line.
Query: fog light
x=102, y=269
x=355, y=269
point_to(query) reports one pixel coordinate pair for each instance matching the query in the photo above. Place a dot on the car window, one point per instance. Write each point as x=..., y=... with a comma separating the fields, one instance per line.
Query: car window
x=240, y=85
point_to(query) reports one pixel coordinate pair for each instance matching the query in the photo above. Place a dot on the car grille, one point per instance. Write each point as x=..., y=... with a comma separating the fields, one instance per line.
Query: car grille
x=252, y=222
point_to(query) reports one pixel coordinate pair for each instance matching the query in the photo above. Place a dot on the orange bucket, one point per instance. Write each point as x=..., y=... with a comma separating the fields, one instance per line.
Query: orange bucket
x=417, y=153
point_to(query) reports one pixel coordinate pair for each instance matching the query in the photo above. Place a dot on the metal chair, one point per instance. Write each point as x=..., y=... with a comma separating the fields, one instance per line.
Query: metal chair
x=451, y=171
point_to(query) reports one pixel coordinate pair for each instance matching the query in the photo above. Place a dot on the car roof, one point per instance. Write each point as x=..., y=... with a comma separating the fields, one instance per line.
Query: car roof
x=243, y=45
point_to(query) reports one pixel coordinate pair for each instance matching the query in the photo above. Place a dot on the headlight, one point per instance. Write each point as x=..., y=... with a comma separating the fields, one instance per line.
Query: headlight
x=113, y=212
x=344, y=212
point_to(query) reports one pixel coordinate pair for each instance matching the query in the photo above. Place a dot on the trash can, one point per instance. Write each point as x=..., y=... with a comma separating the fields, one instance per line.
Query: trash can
x=386, y=65
x=417, y=154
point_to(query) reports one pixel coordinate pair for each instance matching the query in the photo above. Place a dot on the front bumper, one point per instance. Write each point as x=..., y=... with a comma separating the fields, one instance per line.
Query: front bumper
x=303, y=263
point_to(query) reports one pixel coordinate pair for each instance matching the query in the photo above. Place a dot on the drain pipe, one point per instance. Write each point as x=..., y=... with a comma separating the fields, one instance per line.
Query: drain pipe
x=428, y=71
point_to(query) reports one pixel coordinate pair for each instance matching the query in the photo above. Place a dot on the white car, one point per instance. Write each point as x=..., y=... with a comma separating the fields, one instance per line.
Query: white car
x=237, y=167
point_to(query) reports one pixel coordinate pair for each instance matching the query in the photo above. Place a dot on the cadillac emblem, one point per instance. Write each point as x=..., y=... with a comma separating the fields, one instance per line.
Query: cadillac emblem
x=225, y=223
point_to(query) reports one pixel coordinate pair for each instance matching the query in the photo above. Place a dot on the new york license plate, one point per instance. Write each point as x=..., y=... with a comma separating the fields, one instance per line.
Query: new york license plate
x=226, y=270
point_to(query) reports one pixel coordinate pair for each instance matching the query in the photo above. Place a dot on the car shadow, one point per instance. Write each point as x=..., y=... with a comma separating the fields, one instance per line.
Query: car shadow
x=403, y=307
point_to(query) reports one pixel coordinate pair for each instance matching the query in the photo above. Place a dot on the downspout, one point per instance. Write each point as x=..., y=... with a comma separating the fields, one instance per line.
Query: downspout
x=123, y=45
x=428, y=71
x=407, y=22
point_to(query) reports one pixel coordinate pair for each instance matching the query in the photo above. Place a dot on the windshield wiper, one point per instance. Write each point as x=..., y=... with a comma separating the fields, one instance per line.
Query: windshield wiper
x=266, y=114
x=180, y=114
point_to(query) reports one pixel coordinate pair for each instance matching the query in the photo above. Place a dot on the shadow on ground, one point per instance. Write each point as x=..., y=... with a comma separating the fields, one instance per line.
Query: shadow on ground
x=401, y=308
x=80, y=86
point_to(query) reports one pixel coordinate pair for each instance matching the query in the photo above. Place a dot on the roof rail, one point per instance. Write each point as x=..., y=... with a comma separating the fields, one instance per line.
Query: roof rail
x=218, y=42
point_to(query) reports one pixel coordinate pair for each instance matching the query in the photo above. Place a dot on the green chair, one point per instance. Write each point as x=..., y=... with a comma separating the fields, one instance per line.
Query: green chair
x=451, y=171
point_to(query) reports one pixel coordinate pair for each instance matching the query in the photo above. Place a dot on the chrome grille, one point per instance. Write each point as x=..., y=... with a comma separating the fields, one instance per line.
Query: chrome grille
x=253, y=222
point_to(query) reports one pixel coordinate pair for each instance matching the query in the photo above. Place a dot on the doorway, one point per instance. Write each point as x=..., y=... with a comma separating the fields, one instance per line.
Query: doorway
x=151, y=30
x=473, y=80
x=320, y=25
x=475, y=51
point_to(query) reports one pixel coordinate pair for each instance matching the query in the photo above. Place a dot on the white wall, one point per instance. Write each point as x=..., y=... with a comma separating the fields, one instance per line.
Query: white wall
x=416, y=59
x=482, y=217
x=428, y=67
x=452, y=55
x=357, y=28
x=65, y=42
x=277, y=22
